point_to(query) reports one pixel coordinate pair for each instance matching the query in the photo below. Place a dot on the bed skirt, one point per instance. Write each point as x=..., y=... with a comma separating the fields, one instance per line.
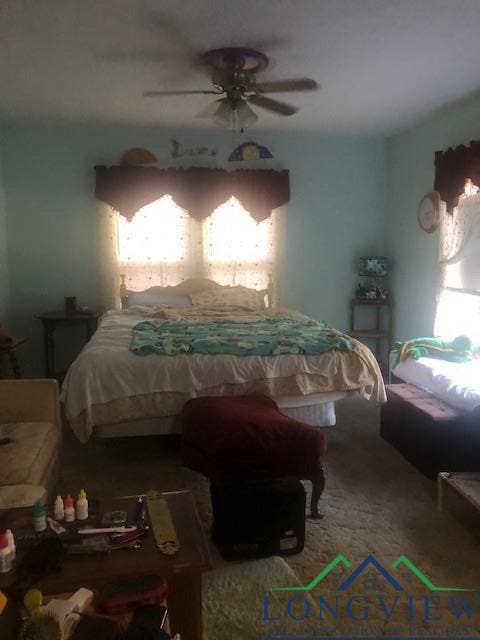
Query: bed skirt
x=316, y=409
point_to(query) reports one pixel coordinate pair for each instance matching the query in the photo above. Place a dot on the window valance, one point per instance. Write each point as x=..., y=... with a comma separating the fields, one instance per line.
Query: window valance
x=452, y=168
x=199, y=190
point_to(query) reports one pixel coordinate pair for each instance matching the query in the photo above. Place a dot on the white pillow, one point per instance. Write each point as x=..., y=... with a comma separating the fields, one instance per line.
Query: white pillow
x=238, y=296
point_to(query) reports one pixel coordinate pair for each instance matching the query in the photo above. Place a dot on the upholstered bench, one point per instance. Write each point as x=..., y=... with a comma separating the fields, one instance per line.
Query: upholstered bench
x=431, y=434
x=247, y=437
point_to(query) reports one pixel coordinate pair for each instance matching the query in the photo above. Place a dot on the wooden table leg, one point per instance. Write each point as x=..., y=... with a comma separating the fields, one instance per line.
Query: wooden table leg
x=440, y=492
x=318, y=485
x=185, y=605
x=90, y=329
x=48, y=328
x=14, y=364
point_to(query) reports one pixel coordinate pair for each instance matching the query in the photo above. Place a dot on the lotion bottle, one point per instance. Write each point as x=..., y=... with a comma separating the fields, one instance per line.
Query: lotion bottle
x=69, y=510
x=82, y=506
x=5, y=554
x=11, y=544
x=39, y=517
x=59, y=511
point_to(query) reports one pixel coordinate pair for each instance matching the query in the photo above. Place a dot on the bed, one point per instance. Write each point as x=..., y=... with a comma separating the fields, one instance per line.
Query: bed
x=111, y=391
x=457, y=384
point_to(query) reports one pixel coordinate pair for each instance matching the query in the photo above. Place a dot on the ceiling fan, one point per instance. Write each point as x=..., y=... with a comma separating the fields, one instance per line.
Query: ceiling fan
x=233, y=74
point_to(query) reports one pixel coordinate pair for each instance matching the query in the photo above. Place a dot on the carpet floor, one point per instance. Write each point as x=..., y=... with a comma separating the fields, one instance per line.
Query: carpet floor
x=374, y=502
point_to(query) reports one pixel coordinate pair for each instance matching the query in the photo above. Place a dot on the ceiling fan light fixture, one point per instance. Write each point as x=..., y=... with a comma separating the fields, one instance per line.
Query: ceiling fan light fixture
x=223, y=116
x=233, y=114
x=246, y=116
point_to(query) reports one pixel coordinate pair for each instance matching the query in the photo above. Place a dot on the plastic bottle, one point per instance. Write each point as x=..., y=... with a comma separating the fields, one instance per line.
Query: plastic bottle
x=39, y=517
x=82, y=506
x=59, y=511
x=69, y=510
x=5, y=554
x=11, y=544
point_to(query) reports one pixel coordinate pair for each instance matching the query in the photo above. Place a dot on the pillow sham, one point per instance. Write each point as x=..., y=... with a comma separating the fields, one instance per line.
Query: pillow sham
x=240, y=296
x=158, y=300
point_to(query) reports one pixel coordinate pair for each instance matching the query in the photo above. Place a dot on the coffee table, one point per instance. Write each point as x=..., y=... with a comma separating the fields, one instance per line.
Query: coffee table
x=181, y=571
x=466, y=484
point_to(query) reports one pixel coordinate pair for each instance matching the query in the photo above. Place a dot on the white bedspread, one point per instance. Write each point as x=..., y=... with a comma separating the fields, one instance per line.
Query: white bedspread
x=457, y=384
x=106, y=370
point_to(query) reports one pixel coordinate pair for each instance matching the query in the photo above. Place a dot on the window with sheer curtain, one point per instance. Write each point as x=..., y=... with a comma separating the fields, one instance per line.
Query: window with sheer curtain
x=458, y=306
x=163, y=245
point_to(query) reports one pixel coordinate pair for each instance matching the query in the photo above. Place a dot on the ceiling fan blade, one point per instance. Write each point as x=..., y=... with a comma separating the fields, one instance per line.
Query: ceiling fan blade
x=154, y=94
x=210, y=110
x=280, y=108
x=293, y=84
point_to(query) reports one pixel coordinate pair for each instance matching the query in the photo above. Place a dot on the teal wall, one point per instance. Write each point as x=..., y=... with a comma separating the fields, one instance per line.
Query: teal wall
x=336, y=214
x=414, y=253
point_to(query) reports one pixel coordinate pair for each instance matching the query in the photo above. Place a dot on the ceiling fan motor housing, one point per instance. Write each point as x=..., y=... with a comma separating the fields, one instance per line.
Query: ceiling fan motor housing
x=236, y=58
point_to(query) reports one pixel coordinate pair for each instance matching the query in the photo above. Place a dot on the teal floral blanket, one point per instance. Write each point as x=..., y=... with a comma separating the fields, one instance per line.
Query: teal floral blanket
x=268, y=337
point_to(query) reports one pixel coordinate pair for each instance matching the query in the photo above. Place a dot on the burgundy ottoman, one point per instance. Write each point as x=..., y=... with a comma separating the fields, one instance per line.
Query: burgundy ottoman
x=247, y=437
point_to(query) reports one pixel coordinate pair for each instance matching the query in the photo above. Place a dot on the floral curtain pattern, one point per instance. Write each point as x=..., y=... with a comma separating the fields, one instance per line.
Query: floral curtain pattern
x=458, y=306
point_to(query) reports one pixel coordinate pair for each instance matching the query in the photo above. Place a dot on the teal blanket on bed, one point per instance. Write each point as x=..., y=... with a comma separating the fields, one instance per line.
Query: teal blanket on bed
x=273, y=336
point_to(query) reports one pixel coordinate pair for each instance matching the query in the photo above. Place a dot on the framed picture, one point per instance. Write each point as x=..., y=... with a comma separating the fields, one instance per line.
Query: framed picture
x=372, y=266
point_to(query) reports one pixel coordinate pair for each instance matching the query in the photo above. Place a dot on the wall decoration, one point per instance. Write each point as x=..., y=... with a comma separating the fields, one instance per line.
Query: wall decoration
x=371, y=268
x=137, y=156
x=185, y=151
x=249, y=151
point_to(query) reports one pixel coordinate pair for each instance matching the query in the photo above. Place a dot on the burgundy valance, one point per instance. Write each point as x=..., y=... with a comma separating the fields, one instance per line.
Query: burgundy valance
x=452, y=168
x=199, y=190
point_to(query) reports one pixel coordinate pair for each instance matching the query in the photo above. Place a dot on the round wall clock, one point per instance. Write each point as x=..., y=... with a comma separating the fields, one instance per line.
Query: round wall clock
x=429, y=212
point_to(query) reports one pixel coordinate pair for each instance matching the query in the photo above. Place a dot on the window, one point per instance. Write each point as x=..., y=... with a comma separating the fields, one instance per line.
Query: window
x=236, y=248
x=153, y=248
x=458, y=309
x=163, y=245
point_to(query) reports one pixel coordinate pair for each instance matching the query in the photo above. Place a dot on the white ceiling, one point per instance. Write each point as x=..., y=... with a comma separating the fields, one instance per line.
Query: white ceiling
x=382, y=64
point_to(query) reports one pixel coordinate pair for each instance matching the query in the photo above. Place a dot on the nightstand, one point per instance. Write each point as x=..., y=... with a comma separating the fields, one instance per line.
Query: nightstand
x=50, y=320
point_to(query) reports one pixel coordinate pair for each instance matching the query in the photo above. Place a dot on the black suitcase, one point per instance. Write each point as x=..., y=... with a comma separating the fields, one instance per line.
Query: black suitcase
x=258, y=518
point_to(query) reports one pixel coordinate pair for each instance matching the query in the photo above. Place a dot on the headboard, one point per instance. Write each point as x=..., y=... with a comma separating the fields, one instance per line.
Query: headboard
x=191, y=285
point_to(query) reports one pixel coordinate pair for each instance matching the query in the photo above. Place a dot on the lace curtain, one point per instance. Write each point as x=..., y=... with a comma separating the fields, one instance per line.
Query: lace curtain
x=108, y=258
x=458, y=299
x=229, y=247
x=237, y=250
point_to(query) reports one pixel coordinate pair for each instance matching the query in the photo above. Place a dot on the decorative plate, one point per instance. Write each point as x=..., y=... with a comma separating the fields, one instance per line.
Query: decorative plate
x=249, y=151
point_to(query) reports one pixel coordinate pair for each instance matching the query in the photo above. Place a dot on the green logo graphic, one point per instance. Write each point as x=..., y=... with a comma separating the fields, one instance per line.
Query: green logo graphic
x=369, y=560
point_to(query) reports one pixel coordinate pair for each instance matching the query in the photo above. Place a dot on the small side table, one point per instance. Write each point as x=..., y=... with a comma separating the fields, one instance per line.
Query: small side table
x=377, y=333
x=50, y=320
x=9, y=349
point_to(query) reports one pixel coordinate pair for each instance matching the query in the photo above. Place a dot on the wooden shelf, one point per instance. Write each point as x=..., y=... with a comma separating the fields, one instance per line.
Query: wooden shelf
x=380, y=321
x=373, y=303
